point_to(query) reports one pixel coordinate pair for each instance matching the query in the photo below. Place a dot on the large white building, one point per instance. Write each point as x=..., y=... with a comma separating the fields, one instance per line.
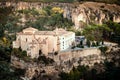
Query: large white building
x=32, y=41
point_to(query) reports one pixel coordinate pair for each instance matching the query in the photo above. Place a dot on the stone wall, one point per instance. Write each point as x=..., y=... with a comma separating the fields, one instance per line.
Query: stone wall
x=75, y=54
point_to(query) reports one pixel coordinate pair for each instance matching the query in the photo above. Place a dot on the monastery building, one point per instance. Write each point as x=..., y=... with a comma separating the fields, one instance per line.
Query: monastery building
x=33, y=41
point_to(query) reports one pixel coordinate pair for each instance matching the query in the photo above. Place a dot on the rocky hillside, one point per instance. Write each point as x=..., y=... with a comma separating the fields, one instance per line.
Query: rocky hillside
x=80, y=13
x=97, y=13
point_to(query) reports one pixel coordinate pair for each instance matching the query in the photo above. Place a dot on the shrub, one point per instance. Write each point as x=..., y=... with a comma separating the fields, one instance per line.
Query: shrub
x=81, y=46
x=102, y=42
x=24, y=53
x=73, y=47
x=45, y=60
x=97, y=43
x=88, y=43
x=103, y=49
x=93, y=44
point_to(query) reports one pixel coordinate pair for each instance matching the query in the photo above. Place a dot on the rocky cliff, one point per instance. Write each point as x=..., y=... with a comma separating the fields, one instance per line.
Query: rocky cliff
x=64, y=61
x=80, y=13
x=97, y=13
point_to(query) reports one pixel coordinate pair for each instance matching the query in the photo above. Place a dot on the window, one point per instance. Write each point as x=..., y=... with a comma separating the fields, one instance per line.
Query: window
x=63, y=44
x=26, y=39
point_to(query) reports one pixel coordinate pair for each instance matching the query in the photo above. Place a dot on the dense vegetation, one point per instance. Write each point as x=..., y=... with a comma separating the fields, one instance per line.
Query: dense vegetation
x=4, y=12
x=68, y=1
x=108, y=31
x=47, y=18
x=6, y=71
x=106, y=71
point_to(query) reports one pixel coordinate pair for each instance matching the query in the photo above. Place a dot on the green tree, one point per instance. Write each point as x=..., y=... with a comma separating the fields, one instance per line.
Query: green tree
x=93, y=44
x=1, y=31
x=48, y=10
x=97, y=43
x=81, y=42
x=24, y=53
x=4, y=13
x=88, y=43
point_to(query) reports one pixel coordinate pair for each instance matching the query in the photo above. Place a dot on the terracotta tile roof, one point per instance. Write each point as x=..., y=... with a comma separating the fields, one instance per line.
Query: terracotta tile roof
x=30, y=29
x=58, y=32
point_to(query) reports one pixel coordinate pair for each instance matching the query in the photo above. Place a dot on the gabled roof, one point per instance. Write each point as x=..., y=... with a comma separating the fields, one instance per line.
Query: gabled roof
x=56, y=32
x=30, y=29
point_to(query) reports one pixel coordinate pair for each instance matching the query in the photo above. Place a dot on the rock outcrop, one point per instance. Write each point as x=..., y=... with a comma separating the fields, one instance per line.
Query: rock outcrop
x=64, y=61
x=97, y=13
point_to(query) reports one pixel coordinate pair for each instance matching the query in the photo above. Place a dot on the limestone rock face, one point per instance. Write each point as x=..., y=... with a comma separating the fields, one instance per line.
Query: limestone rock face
x=80, y=13
x=98, y=13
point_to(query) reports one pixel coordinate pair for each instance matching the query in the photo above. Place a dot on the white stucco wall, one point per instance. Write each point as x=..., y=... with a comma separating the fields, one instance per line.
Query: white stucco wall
x=66, y=41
